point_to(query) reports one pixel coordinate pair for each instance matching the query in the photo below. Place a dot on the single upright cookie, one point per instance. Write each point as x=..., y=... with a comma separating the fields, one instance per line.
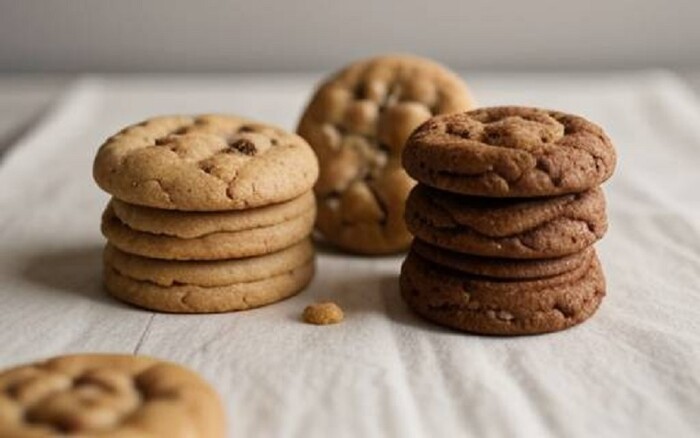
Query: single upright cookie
x=501, y=307
x=510, y=228
x=510, y=152
x=205, y=163
x=102, y=395
x=357, y=123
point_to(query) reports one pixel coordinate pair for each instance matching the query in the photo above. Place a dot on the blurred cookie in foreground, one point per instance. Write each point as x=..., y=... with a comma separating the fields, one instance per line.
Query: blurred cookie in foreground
x=357, y=123
x=108, y=395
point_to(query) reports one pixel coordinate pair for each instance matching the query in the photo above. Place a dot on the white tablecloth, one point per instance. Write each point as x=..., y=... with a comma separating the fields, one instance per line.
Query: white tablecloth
x=633, y=370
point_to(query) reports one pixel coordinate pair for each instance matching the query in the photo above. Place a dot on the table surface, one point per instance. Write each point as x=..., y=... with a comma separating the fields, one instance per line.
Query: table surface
x=633, y=369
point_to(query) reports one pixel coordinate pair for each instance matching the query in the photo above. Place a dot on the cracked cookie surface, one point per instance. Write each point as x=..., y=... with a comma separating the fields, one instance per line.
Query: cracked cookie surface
x=528, y=228
x=357, y=123
x=500, y=307
x=103, y=395
x=205, y=163
x=510, y=152
x=193, y=298
x=217, y=245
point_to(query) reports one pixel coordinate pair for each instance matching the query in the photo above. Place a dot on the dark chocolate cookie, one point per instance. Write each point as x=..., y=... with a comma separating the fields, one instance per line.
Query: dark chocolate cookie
x=528, y=228
x=509, y=152
x=492, y=267
x=498, y=307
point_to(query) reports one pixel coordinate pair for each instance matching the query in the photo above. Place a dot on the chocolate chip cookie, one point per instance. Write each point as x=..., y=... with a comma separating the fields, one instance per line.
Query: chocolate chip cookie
x=510, y=152
x=205, y=163
x=357, y=123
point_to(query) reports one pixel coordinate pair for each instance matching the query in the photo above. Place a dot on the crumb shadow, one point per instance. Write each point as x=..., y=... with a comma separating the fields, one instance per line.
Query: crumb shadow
x=374, y=292
x=72, y=270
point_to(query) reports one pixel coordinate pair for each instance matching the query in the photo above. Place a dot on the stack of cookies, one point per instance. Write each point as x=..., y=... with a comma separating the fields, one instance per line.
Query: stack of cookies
x=209, y=214
x=357, y=122
x=504, y=216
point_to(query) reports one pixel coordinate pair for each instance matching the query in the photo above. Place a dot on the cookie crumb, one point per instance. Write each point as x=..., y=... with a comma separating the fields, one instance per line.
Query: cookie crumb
x=323, y=313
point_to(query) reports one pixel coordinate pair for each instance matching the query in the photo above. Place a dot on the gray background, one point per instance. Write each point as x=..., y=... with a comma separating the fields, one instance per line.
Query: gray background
x=303, y=35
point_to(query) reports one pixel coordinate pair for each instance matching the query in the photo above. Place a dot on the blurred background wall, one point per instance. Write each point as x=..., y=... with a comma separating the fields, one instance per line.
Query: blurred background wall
x=302, y=35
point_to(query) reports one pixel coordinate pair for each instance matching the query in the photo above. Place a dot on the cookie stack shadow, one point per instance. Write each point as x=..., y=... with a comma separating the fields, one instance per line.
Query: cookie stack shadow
x=504, y=218
x=208, y=214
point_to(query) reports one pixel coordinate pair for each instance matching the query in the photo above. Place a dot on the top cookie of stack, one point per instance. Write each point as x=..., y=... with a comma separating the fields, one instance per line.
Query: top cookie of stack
x=210, y=213
x=357, y=123
x=505, y=212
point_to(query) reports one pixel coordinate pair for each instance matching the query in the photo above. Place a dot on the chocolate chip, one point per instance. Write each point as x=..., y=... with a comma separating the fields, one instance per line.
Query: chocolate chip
x=246, y=128
x=243, y=146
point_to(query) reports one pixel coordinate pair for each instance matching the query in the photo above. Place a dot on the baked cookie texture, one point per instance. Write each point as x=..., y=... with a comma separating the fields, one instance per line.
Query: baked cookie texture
x=204, y=163
x=103, y=395
x=208, y=273
x=193, y=298
x=196, y=224
x=209, y=246
x=209, y=213
x=508, y=228
x=510, y=152
x=500, y=268
x=208, y=286
x=498, y=307
x=505, y=213
x=357, y=123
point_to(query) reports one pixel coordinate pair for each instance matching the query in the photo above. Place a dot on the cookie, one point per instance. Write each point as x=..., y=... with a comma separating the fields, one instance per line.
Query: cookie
x=499, y=267
x=107, y=395
x=194, y=298
x=527, y=228
x=205, y=163
x=357, y=123
x=197, y=224
x=498, y=307
x=209, y=246
x=208, y=273
x=510, y=152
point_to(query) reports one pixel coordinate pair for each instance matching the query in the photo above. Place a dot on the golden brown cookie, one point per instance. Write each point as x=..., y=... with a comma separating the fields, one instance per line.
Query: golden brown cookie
x=208, y=273
x=500, y=267
x=205, y=163
x=357, y=123
x=105, y=395
x=210, y=245
x=501, y=307
x=197, y=224
x=510, y=152
x=527, y=228
x=195, y=298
